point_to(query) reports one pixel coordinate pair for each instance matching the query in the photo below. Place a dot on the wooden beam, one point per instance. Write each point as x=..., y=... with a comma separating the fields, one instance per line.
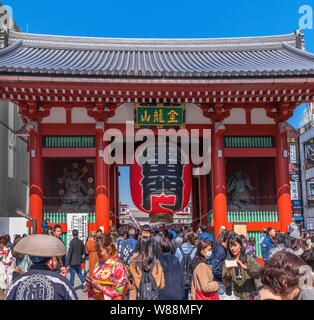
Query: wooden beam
x=250, y=152
x=68, y=152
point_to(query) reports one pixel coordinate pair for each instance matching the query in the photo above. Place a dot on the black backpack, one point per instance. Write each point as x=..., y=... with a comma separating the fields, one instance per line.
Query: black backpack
x=186, y=266
x=148, y=288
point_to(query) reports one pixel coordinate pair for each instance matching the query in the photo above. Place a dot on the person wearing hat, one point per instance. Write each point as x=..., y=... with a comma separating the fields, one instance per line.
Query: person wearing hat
x=41, y=282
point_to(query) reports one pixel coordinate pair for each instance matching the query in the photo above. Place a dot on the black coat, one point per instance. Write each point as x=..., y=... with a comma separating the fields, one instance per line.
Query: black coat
x=76, y=252
x=174, y=278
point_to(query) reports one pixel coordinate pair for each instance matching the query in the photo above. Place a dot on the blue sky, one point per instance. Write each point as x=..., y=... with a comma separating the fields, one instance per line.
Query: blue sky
x=163, y=19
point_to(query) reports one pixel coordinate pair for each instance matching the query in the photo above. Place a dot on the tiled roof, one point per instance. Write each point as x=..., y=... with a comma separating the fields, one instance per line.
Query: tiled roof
x=139, y=214
x=266, y=56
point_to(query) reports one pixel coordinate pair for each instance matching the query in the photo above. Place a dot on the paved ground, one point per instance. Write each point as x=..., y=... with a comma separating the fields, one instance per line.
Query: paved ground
x=78, y=287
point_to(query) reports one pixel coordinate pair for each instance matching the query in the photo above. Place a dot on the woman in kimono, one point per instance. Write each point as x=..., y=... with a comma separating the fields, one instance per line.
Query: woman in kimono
x=4, y=252
x=110, y=278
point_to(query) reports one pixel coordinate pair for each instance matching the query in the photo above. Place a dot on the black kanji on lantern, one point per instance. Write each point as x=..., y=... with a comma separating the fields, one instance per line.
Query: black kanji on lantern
x=162, y=179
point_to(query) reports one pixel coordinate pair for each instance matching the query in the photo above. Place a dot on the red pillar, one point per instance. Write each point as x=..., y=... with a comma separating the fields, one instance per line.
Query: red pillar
x=112, y=193
x=282, y=179
x=117, y=200
x=102, y=181
x=35, y=179
x=194, y=202
x=219, y=182
x=204, y=198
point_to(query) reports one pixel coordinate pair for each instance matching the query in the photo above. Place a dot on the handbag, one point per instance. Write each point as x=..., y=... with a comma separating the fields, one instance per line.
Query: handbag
x=199, y=295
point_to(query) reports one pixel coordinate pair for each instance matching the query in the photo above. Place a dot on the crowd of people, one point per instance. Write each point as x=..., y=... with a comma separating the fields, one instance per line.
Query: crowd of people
x=162, y=263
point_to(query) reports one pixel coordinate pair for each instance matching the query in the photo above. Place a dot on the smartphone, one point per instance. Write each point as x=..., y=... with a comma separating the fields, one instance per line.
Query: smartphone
x=231, y=263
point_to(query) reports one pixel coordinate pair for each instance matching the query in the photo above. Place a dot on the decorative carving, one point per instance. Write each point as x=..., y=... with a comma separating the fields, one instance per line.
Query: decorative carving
x=283, y=127
x=217, y=112
x=33, y=111
x=102, y=111
x=219, y=127
x=280, y=112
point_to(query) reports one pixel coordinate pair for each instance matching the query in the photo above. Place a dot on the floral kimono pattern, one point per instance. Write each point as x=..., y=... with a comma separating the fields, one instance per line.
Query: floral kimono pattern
x=4, y=253
x=3, y=268
x=113, y=276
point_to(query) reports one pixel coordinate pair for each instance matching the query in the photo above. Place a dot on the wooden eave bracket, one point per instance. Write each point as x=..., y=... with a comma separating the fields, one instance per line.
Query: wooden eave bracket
x=102, y=111
x=31, y=111
x=280, y=112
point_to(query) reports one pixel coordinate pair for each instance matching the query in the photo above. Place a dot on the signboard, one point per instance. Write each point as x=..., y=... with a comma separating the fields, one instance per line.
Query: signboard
x=159, y=115
x=310, y=192
x=161, y=217
x=160, y=187
x=295, y=178
x=310, y=224
x=78, y=221
x=240, y=228
x=309, y=153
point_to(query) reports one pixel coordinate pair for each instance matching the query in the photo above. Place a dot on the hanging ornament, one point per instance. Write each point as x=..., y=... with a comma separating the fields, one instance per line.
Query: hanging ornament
x=160, y=179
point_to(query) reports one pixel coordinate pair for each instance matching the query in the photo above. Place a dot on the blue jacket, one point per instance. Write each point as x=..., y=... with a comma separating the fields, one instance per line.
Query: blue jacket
x=131, y=242
x=125, y=252
x=267, y=244
x=44, y=226
x=172, y=232
x=174, y=278
x=186, y=249
x=218, y=262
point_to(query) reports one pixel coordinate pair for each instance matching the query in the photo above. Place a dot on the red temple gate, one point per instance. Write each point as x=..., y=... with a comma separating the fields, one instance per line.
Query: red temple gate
x=243, y=90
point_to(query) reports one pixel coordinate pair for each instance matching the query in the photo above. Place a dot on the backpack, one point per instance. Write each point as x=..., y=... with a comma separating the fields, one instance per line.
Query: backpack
x=148, y=288
x=186, y=266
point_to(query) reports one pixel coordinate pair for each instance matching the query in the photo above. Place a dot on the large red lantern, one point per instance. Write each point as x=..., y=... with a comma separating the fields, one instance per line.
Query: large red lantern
x=160, y=186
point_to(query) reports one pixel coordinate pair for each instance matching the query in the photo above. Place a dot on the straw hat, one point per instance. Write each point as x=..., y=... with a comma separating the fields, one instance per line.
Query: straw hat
x=41, y=245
